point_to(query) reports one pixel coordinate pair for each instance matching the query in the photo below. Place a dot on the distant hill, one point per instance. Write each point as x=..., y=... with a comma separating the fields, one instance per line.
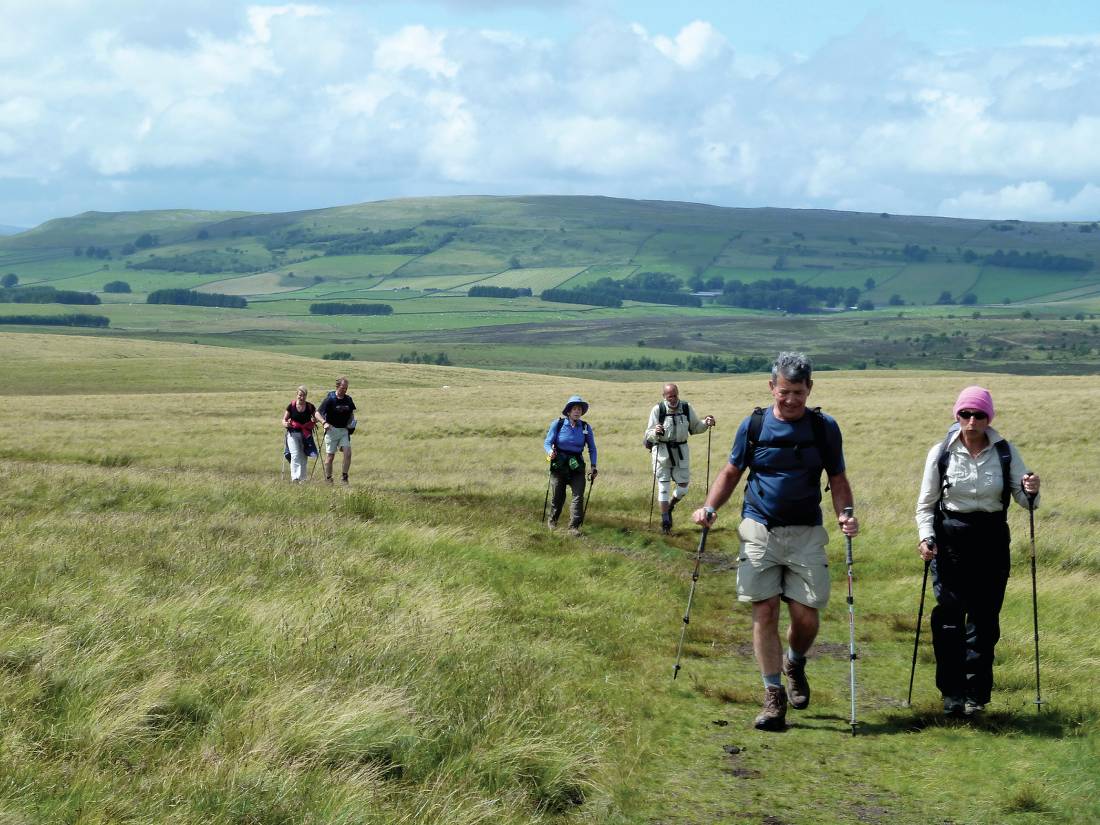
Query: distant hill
x=11, y=230
x=638, y=284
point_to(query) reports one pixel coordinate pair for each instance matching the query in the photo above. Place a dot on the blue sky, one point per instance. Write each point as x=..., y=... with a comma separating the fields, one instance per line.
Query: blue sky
x=967, y=108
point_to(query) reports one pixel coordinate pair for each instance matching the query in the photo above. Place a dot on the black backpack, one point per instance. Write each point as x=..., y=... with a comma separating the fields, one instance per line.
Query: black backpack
x=756, y=425
x=661, y=416
x=1004, y=453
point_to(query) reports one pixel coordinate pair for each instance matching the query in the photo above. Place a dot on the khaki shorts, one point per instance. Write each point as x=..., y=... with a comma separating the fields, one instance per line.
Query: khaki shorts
x=335, y=438
x=786, y=561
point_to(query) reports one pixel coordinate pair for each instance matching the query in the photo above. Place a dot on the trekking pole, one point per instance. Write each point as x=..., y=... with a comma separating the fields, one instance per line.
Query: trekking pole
x=849, y=512
x=1034, y=599
x=691, y=596
x=588, y=498
x=546, y=498
x=652, y=494
x=916, y=640
x=709, y=430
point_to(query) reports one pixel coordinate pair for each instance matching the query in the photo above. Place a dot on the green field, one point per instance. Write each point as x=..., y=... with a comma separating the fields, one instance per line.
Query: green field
x=185, y=637
x=436, y=248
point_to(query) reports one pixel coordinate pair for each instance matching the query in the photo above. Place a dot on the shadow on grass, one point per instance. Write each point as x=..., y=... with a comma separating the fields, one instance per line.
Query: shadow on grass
x=1051, y=723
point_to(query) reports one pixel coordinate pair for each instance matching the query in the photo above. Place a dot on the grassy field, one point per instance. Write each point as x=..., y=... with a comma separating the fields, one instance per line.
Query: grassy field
x=186, y=637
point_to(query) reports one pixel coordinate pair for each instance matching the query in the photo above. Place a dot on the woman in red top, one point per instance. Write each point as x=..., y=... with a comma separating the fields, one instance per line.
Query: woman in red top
x=299, y=419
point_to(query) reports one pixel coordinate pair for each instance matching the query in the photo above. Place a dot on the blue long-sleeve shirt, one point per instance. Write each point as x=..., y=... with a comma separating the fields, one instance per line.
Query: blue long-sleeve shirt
x=571, y=439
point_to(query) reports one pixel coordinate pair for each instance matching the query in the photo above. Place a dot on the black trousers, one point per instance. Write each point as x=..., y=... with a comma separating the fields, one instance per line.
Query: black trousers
x=969, y=576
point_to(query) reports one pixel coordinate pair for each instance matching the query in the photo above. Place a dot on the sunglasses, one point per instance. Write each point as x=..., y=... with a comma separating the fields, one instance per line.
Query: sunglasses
x=968, y=414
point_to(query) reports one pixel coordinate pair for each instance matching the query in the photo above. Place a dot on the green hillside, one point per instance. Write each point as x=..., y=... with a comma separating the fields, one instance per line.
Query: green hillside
x=187, y=638
x=915, y=279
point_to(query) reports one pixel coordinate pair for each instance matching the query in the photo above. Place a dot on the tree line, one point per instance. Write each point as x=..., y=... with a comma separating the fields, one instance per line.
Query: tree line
x=76, y=319
x=499, y=292
x=188, y=297
x=46, y=295
x=337, y=308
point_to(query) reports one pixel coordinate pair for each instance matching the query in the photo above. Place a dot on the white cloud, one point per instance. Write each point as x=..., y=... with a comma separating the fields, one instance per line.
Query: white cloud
x=415, y=47
x=130, y=103
x=1036, y=199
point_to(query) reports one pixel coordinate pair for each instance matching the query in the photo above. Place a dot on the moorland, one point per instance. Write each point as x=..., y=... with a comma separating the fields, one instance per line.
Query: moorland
x=186, y=637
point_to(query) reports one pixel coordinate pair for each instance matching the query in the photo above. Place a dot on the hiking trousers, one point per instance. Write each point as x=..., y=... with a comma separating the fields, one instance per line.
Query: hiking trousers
x=574, y=479
x=969, y=576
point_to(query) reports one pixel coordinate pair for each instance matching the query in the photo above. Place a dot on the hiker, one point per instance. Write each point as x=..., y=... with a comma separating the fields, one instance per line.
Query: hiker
x=962, y=524
x=299, y=419
x=337, y=416
x=565, y=442
x=784, y=448
x=670, y=423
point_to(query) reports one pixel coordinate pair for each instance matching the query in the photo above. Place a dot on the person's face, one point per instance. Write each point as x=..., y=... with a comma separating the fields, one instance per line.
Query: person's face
x=575, y=413
x=672, y=397
x=301, y=397
x=790, y=397
x=972, y=422
x=342, y=388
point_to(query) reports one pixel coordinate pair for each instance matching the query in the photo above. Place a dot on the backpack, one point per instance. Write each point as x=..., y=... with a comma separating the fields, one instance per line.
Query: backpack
x=352, y=423
x=1004, y=453
x=662, y=414
x=756, y=426
x=557, y=464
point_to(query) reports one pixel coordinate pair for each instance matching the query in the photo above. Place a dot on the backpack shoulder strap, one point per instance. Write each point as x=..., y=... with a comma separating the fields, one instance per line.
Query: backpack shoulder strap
x=662, y=413
x=821, y=439
x=1004, y=452
x=941, y=464
x=557, y=428
x=756, y=424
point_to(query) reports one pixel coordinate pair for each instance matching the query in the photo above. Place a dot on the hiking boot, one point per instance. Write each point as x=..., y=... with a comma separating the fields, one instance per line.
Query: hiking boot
x=551, y=524
x=575, y=532
x=798, y=688
x=953, y=706
x=344, y=479
x=773, y=716
x=972, y=708
x=328, y=479
x=666, y=522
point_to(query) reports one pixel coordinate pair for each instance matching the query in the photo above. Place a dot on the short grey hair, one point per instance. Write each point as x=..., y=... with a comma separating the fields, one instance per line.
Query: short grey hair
x=794, y=366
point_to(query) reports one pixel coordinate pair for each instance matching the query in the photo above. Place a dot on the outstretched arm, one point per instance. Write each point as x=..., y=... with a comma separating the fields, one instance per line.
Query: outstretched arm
x=720, y=491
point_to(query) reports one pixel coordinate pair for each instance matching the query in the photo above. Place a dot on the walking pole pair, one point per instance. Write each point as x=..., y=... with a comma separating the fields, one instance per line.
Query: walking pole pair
x=691, y=596
x=1034, y=598
x=849, y=512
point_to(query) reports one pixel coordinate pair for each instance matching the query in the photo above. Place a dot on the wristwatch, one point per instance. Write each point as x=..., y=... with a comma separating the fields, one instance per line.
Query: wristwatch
x=929, y=540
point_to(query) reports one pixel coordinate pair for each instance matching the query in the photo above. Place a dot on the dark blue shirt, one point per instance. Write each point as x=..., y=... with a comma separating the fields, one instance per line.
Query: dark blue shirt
x=784, y=483
x=571, y=439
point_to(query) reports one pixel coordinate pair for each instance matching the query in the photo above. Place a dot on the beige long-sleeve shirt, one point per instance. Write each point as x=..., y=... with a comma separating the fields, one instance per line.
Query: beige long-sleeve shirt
x=975, y=483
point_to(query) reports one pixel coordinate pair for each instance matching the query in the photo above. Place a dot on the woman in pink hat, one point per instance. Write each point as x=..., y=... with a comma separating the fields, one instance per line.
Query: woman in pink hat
x=962, y=518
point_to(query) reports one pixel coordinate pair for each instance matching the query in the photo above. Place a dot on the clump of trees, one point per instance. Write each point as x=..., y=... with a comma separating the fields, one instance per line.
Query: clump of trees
x=99, y=252
x=581, y=295
x=205, y=262
x=76, y=319
x=440, y=359
x=116, y=287
x=499, y=292
x=336, y=356
x=787, y=295
x=9, y=280
x=337, y=308
x=46, y=295
x=188, y=297
x=693, y=363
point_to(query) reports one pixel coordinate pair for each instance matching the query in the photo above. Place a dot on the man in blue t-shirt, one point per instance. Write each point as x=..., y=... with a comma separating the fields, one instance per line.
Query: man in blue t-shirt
x=783, y=541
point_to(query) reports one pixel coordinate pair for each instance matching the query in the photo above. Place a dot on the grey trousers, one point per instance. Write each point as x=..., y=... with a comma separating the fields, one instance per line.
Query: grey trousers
x=575, y=480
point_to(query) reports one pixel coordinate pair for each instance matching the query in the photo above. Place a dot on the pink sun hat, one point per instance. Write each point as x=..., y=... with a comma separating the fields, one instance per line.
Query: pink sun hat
x=975, y=398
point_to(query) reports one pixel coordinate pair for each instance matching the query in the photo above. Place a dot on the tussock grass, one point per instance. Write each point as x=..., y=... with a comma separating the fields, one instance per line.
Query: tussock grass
x=185, y=633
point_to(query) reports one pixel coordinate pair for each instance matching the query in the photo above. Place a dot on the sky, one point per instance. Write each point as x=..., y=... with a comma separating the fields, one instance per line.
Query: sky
x=964, y=108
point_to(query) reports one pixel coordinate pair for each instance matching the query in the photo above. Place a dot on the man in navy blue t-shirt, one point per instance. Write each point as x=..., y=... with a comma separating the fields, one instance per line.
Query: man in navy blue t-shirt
x=783, y=541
